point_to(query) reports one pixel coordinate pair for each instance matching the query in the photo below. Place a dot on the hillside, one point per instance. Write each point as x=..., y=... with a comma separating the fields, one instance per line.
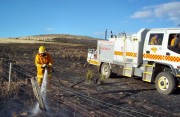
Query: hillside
x=67, y=36
x=62, y=38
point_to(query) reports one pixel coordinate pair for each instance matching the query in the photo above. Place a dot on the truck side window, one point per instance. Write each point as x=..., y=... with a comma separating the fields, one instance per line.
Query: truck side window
x=174, y=42
x=170, y=40
x=156, y=39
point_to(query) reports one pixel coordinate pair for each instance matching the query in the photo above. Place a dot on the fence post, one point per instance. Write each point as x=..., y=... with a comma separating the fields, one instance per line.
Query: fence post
x=1, y=70
x=9, y=76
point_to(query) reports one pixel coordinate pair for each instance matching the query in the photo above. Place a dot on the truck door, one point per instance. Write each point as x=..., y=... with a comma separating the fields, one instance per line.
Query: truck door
x=173, y=48
x=153, y=49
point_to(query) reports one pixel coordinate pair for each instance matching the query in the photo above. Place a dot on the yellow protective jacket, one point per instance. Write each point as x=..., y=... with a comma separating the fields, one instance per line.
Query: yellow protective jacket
x=40, y=60
x=153, y=41
x=173, y=42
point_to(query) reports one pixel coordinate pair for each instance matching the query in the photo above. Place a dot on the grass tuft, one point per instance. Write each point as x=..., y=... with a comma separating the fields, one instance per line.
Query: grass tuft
x=89, y=75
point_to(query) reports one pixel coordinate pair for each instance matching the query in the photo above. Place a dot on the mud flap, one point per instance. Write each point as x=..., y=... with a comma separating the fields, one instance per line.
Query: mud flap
x=37, y=94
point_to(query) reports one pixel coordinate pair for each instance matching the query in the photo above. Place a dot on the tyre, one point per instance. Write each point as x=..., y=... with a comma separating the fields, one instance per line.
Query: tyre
x=165, y=83
x=105, y=70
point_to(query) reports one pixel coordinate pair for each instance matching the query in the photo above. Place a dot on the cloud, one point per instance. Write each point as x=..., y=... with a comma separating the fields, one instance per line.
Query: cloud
x=49, y=29
x=142, y=14
x=169, y=11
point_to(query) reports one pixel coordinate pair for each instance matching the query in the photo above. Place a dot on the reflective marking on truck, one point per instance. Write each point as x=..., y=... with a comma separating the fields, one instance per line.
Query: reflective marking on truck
x=131, y=54
x=94, y=62
x=118, y=53
x=153, y=56
x=162, y=57
x=172, y=58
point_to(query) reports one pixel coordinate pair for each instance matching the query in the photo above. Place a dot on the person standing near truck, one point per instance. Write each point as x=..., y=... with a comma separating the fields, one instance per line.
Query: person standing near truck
x=43, y=60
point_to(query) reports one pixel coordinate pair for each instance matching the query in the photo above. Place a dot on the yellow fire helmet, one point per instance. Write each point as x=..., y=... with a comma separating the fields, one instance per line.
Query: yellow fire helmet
x=42, y=49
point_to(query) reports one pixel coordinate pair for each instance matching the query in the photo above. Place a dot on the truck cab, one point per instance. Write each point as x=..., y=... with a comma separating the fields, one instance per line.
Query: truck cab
x=162, y=59
x=162, y=51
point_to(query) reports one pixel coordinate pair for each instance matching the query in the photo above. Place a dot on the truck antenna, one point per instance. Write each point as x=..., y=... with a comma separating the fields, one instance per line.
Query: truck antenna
x=106, y=34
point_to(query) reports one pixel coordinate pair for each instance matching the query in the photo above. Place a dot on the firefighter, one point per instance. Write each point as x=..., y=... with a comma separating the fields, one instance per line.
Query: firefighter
x=43, y=60
x=154, y=40
x=175, y=41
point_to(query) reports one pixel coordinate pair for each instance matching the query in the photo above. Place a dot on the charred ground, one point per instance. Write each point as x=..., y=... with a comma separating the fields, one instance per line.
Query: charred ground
x=117, y=96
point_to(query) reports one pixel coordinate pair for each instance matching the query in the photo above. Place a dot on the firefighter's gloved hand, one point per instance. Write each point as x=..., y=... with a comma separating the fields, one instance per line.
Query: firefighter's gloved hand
x=44, y=65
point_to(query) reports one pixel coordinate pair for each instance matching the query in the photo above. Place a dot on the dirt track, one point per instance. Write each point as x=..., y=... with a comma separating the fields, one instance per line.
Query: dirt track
x=128, y=96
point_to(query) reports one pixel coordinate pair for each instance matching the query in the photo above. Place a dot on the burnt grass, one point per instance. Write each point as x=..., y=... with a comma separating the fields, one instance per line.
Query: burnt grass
x=127, y=95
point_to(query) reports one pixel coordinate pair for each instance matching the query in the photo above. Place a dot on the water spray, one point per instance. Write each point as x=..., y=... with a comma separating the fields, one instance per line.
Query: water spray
x=40, y=92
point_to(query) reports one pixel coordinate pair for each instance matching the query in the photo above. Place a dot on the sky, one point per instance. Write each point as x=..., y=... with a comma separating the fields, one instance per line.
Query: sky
x=85, y=17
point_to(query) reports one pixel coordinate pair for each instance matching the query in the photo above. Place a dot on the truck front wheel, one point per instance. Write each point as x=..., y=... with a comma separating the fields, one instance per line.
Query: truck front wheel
x=165, y=83
x=105, y=70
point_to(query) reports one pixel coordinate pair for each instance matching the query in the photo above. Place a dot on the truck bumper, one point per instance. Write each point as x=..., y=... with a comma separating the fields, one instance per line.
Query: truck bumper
x=93, y=62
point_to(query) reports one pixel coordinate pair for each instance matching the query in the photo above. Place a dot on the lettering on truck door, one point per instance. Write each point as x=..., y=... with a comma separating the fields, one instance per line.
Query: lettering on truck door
x=153, y=50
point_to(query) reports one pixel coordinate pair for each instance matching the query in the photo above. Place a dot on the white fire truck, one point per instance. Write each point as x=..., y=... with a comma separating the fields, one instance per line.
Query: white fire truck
x=148, y=54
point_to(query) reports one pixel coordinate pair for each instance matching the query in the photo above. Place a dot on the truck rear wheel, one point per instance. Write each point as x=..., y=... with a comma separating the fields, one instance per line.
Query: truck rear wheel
x=105, y=70
x=165, y=83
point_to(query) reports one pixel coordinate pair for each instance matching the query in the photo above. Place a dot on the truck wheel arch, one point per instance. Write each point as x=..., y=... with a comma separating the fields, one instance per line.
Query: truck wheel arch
x=160, y=68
